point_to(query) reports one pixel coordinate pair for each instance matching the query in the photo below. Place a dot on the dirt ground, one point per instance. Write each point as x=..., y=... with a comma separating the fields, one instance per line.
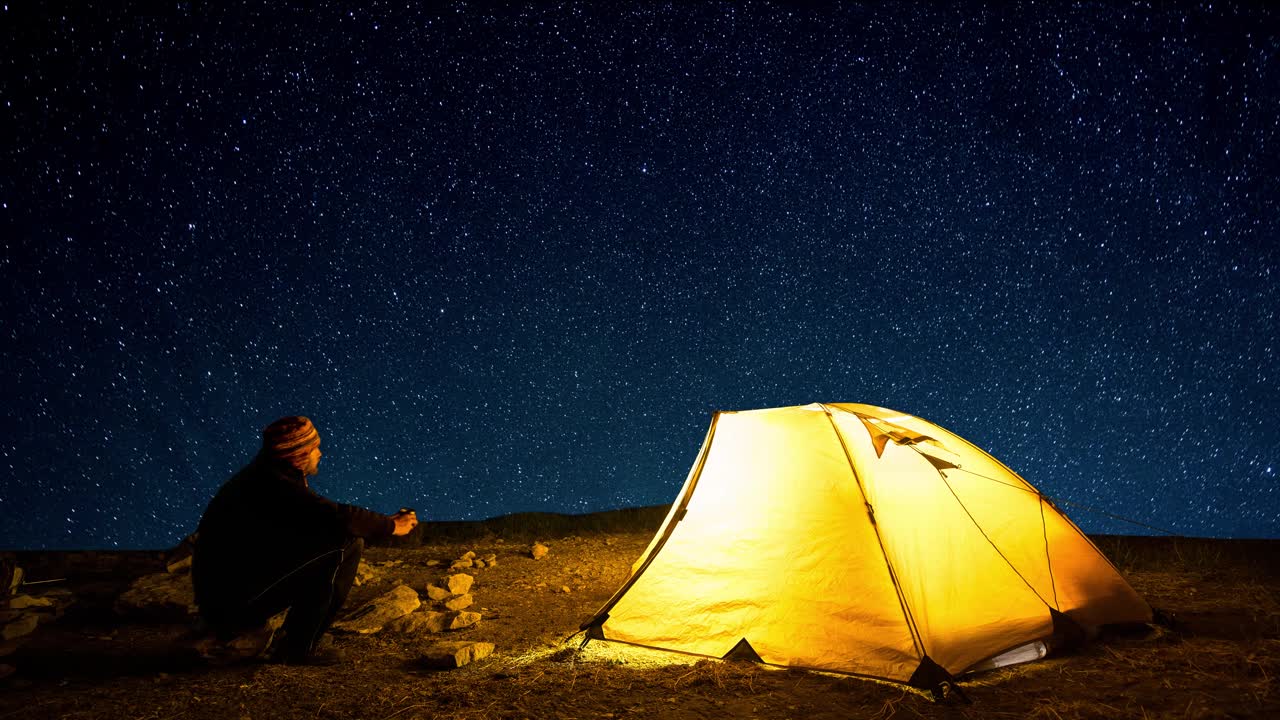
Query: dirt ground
x=1220, y=659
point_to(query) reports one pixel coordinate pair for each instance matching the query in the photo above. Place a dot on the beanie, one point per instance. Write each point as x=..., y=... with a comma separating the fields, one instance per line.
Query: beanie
x=291, y=439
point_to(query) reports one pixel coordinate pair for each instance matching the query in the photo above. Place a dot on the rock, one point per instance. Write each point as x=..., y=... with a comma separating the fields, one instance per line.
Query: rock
x=460, y=564
x=181, y=552
x=371, y=617
x=459, y=602
x=450, y=655
x=181, y=565
x=437, y=593
x=538, y=551
x=22, y=602
x=459, y=584
x=158, y=597
x=441, y=622
x=14, y=581
x=491, y=559
x=22, y=626
x=463, y=620
x=366, y=574
x=433, y=563
x=478, y=563
x=253, y=643
x=468, y=555
x=565, y=589
x=420, y=622
x=430, y=621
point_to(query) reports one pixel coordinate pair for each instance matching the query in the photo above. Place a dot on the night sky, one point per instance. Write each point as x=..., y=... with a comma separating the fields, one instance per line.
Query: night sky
x=514, y=259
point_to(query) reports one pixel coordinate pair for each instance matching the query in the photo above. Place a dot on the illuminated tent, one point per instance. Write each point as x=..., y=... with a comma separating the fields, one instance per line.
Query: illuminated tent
x=855, y=539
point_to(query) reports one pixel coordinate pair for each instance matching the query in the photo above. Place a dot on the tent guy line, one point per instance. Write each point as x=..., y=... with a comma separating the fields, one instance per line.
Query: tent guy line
x=914, y=444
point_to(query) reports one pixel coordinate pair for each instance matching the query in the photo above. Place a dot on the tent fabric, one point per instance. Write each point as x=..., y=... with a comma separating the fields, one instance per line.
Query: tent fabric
x=855, y=539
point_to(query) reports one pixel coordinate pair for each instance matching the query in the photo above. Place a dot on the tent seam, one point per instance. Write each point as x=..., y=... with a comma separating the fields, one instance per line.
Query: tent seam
x=1048, y=557
x=916, y=638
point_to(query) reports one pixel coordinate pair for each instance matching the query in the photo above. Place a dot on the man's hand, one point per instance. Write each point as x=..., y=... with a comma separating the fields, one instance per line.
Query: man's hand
x=405, y=520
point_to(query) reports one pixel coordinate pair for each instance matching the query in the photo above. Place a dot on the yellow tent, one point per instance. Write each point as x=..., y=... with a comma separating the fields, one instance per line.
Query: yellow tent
x=855, y=539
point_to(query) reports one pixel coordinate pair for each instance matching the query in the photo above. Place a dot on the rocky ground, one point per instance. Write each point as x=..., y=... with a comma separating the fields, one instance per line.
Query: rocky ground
x=91, y=656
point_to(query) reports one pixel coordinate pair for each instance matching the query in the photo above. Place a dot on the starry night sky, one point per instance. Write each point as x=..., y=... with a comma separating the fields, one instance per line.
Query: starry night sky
x=512, y=260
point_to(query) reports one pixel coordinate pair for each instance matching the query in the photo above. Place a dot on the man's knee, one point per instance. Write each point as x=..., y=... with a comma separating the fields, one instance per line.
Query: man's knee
x=348, y=565
x=352, y=551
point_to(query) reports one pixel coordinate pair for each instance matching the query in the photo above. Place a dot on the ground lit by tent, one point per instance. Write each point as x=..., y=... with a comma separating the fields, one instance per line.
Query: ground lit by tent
x=1220, y=660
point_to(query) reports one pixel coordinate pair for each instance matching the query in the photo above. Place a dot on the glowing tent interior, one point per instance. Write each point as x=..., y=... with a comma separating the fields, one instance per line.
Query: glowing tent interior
x=855, y=539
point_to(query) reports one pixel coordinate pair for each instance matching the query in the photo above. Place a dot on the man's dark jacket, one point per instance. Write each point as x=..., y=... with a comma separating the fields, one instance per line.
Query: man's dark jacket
x=264, y=524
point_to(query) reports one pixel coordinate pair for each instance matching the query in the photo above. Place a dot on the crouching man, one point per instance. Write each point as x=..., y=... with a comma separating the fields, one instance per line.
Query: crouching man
x=267, y=543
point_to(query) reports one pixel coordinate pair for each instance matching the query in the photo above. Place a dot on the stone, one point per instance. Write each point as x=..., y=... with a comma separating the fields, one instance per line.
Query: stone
x=433, y=563
x=565, y=589
x=450, y=655
x=24, y=625
x=255, y=642
x=468, y=555
x=181, y=565
x=478, y=563
x=463, y=620
x=436, y=594
x=430, y=621
x=22, y=602
x=420, y=622
x=366, y=573
x=158, y=597
x=491, y=559
x=371, y=617
x=460, y=564
x=459, y=584
x=538, y=551
x=459, y=602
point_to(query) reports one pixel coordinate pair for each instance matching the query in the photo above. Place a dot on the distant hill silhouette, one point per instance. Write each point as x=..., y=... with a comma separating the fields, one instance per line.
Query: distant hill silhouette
x=537, y=526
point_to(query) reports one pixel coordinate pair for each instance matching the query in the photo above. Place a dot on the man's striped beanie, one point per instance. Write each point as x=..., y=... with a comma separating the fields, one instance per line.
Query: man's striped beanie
x=291, y=439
